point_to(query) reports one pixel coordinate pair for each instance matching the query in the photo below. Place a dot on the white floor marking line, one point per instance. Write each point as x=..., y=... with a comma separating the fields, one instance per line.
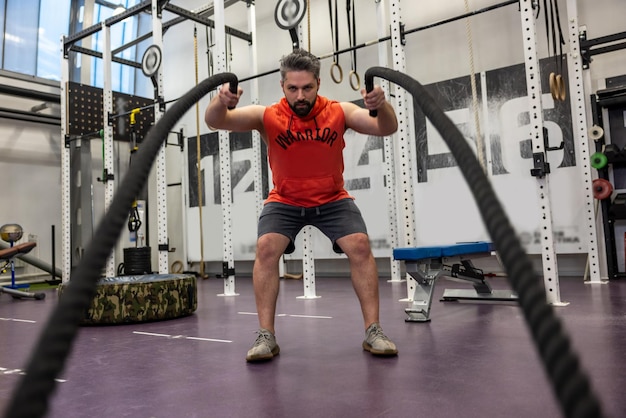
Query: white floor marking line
x=209, y=339
x=4, y=370
x=11, y=371
x=293, y=316
x=153, y=334
x=18, y=320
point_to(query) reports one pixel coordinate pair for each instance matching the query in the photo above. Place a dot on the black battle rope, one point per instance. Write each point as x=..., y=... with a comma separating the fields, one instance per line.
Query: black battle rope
x=569, y=382
x=30, y=397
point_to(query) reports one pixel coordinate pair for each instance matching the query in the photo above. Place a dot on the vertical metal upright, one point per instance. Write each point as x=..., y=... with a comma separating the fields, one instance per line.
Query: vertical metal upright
x=579, y=117
x=388, y=142
x=161, y=178
x=257, y=162
x=80, y=210
x=228, y=258
x=107, y=110
x=485, y=122
x=66, y=224
x=308, y=265
x=308, y=256
x=402, y=140
x=541, y=171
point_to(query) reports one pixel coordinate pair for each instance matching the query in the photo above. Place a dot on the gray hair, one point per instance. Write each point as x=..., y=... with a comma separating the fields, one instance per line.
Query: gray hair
x=300, y=60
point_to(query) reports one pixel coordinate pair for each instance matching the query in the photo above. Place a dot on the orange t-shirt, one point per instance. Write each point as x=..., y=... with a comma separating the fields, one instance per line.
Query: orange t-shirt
x=306, y=154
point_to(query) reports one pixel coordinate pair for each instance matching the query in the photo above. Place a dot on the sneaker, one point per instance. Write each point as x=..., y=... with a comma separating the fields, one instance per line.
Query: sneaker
x=264, y=348
x=377, y=343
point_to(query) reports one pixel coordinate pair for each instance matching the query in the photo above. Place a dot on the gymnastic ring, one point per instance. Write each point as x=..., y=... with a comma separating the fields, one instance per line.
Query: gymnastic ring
x=176, y=267
x=354, y=75
x=596, y=132
x=599, y=160
x=553, y=86
x=561, y=92
x=332, y=73
x=602, y=189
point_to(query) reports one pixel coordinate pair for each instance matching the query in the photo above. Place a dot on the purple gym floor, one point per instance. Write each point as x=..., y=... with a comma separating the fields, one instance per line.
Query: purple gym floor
x=471, y=360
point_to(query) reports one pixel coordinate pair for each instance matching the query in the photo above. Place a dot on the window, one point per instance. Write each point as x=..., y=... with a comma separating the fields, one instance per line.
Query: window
x=20, y=36
x=52, y=25
x=2, y=6
x=30, y=39
x=30, y=36
x=122, y=76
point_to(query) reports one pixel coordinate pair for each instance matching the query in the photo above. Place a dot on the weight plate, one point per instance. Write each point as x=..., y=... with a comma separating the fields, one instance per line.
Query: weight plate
x=151, y=61
x=596, y=132
x=289, y=13
x=602, y=189
x=599, y=160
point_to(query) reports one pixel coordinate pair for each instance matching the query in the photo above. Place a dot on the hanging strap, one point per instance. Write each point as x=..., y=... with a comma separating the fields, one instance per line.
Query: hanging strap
x=552, y=30
x=562, y=91
x=553, y=24
x=546, y=18
x=561, y=39
x=355, y=80
x=334, y=34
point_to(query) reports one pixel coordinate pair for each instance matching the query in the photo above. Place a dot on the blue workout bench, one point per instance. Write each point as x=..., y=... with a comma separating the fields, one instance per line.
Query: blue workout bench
x=426, y=264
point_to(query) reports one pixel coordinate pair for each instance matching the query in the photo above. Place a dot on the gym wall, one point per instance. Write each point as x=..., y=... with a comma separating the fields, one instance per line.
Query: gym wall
x=438, y=58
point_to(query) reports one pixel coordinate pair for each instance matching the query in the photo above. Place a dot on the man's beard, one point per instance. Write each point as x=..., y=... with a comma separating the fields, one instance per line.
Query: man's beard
x=302, y=107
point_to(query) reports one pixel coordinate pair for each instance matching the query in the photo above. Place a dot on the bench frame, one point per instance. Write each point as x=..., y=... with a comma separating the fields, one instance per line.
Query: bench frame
x=426, y=264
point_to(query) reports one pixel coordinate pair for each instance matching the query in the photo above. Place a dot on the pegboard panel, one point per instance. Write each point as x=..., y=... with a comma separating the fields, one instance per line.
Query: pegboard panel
x=85, y=113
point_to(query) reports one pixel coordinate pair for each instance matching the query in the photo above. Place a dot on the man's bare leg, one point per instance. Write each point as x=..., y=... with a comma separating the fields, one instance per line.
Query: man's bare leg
x=265, y=276
x=265, y=279
x=364, y=274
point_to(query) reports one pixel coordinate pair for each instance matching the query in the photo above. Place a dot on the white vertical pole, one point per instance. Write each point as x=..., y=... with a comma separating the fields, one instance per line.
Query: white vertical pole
x=161, y=178
x=66, y=238
x=107, y=110
x=184, y=175
x=308, y=264
x=533, y=83
x=389, y=166
x=579, y=117
x=402, y=141
x=308, y=256
x=225, y=169
x=485, y=118
x=257, y=163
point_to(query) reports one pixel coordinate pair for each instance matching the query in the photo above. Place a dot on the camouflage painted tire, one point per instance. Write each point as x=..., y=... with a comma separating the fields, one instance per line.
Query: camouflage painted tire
x=131, y=299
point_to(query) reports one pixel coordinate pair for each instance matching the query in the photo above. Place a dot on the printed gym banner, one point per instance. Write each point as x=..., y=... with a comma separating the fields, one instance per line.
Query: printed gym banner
x=445, y=209
x=242, y=191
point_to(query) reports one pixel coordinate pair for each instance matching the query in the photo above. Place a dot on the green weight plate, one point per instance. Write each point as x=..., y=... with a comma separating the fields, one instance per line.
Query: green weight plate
x=599, y=161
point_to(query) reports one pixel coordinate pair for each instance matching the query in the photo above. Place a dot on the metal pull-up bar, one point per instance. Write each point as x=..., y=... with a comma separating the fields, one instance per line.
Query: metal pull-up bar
x=68, y=42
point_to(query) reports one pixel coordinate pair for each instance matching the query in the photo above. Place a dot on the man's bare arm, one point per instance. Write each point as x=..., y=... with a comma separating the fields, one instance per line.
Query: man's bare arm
x=359, y=119
x=222, y=113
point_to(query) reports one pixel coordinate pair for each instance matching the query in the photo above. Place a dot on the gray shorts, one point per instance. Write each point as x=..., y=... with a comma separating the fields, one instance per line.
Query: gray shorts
x=334, y=219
